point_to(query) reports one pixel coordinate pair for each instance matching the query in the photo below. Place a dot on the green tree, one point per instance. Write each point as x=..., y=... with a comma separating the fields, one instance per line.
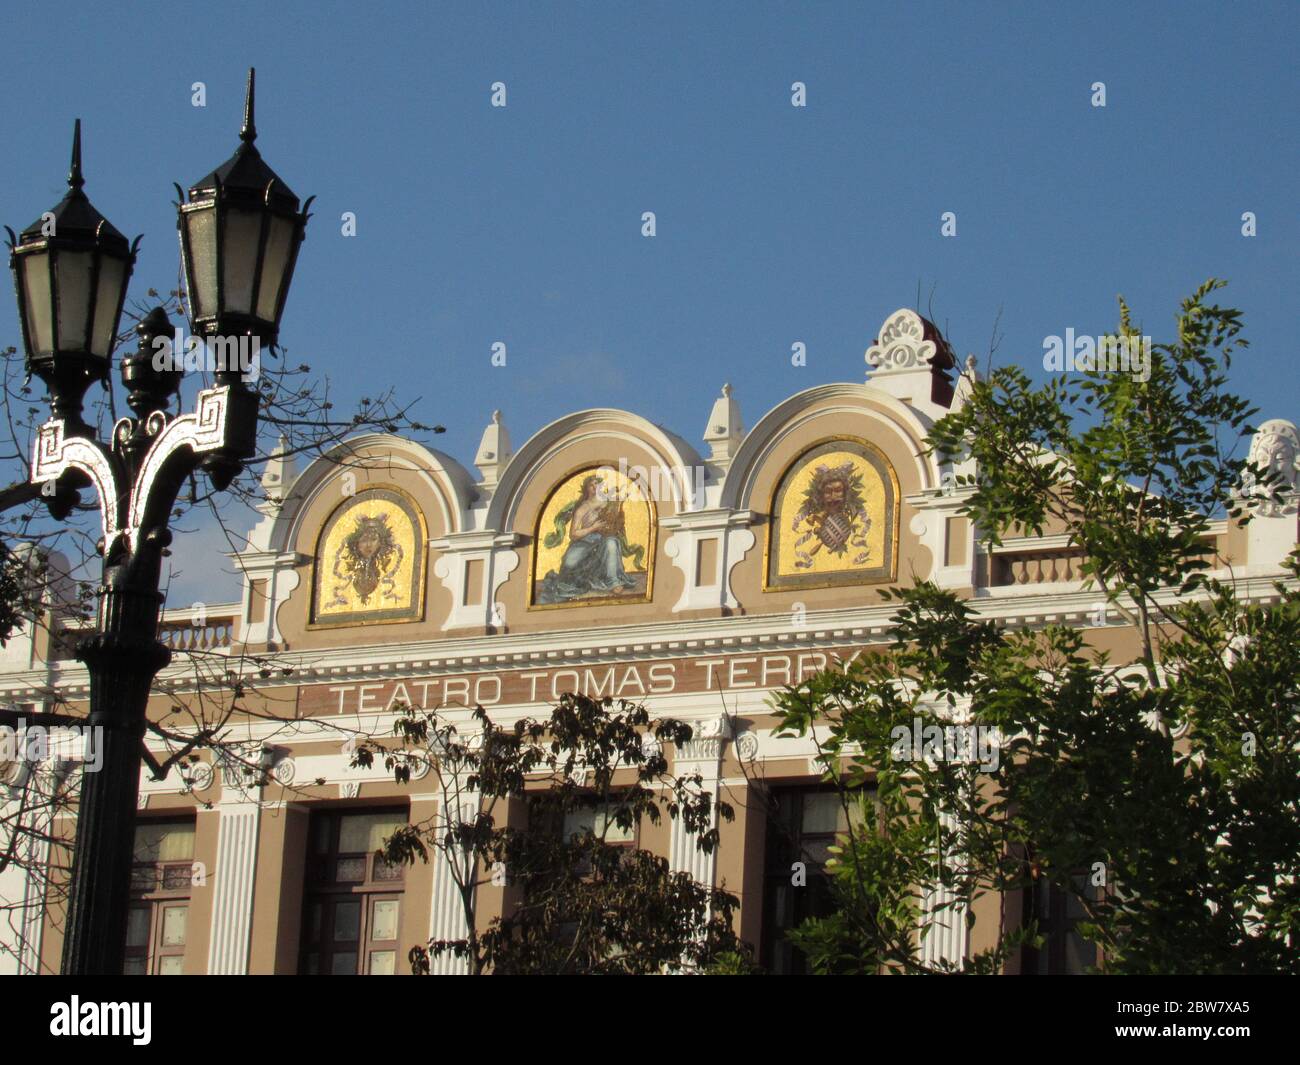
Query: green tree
x=1162, y=793
x=536, y=806
x=16, y=579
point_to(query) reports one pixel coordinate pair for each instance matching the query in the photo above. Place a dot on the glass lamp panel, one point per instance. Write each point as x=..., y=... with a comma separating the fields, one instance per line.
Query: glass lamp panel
x=171, y=965
x=279, y=243
x=239, y=248
x=108, y=297
x=383, y=963
x=201, y=229
x=38, y=299
x=73, y=272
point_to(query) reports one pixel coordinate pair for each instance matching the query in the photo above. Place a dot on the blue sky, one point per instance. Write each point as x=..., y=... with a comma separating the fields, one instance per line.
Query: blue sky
x=775, y=224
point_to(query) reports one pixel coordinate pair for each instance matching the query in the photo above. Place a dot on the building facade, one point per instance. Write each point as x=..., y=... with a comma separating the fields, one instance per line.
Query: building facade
x=608, y=556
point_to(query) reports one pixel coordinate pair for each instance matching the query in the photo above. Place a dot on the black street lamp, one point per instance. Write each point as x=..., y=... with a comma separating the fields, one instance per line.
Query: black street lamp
x=70, y=268
x=240, y=233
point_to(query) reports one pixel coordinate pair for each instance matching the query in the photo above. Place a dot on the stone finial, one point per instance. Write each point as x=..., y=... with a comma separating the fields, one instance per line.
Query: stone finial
x=902, y=346
x=725, y=429
x=1275, y=448
x=911, y=360
x=966, y=382
x=494, y=450
x=278, y=476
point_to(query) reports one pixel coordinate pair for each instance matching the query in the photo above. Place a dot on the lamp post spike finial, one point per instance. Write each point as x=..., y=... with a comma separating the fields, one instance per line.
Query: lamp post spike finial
x=249, y=133
x=75, y=180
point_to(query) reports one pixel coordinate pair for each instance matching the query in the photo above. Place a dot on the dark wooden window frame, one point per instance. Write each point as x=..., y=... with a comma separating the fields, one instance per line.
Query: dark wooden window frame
x=156, y=888
x=785, y=906
x=335, y=882
x=1064, y=952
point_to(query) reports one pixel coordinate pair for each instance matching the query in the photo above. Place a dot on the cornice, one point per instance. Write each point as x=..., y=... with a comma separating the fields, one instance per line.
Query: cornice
x=704, y=638
x=709, y=518
x=475, y=540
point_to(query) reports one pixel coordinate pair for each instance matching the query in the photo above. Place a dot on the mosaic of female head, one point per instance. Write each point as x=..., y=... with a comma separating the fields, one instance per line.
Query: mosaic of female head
x=369, y=564
x=368, y=561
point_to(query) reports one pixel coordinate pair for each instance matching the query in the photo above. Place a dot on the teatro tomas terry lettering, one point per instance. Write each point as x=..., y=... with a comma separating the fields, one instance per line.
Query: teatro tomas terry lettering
x=626, y=680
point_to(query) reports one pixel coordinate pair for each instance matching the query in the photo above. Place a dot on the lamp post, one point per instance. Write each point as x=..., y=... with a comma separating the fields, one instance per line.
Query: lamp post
x=240, y=233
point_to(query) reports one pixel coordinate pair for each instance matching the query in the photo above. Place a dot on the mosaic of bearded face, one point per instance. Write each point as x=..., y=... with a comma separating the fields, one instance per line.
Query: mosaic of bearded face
x=370, y=565
x=834, y=518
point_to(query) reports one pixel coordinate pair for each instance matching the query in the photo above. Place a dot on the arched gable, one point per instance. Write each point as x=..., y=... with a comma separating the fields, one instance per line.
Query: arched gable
x=881, y=417
x=611, y=431
x=334, y=600
x=868, y=448
x=619, y=571
x=447, y=481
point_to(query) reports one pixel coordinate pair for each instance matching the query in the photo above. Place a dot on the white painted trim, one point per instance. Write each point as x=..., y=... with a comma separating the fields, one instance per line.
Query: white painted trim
x=685, y=533
x=231, y=883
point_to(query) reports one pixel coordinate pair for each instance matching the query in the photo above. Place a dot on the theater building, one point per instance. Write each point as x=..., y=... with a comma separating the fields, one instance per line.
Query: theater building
x=606, y=555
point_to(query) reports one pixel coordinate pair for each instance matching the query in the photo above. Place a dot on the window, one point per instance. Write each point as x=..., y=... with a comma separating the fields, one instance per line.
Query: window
x=353, y=904
x=560, y=881
x=1064, y=951
x=803, y=823
x=161, y=875
x=601, y=823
